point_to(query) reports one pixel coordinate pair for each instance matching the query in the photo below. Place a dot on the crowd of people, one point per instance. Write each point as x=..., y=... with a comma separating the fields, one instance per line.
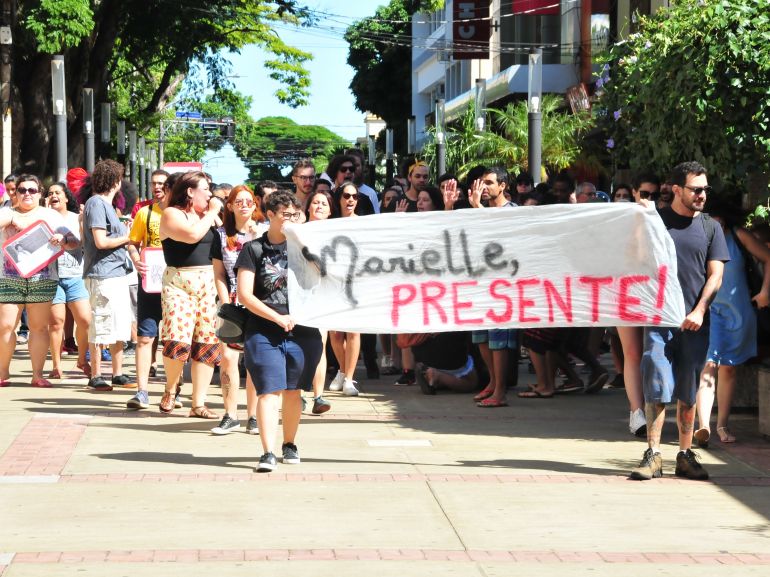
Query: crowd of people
x=225, y=244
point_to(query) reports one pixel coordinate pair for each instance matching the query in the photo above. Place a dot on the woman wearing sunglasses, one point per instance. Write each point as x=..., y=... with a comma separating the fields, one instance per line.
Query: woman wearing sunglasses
x=35, y=292
x=346, y=346
x=243, y=212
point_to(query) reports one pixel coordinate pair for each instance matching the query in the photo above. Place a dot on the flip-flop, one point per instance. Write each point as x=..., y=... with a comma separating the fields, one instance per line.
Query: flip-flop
x=5, y=382
x=491, y=403
x=534, y=394
x=567, y=388
x=41, y=383
x=725, y=435
x=484, y=394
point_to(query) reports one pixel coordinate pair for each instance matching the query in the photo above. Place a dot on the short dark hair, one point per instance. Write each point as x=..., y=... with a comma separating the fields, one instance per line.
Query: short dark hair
x=302, y=163
x=281, y=198
x=10, y=178
x=30, y=178
x=106, y=174
x=525, y=178
x=159, y=172
x=645, y=177
x=500, y=173
x=679, y=173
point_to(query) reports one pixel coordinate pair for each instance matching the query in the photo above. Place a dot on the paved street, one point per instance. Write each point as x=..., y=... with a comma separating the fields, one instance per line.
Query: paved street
x=392, y=483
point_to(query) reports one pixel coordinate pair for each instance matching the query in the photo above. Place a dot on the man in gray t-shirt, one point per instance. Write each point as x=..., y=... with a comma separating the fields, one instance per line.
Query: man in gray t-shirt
x=104, y=271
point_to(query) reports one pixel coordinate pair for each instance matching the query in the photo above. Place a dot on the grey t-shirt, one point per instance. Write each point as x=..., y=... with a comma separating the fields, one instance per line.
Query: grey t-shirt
x=105, y=263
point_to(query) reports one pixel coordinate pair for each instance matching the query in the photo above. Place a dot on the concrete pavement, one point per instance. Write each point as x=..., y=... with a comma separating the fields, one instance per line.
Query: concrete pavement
x=391, y=483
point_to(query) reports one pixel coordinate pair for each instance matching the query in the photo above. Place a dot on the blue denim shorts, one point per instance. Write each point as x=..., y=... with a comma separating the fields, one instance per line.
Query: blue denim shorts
x=70, y=290
x=672, y=362
x=498, y=339
x=280, y=362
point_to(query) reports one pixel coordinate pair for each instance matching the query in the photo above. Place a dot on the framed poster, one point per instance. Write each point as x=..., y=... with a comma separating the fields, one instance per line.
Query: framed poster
x=152, y=282
x=30, y=251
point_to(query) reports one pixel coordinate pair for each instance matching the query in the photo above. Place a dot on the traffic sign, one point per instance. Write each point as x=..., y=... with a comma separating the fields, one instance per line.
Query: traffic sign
x=187, y=114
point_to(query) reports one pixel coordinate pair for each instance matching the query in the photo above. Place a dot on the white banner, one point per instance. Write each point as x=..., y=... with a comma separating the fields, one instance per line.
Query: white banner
x=590, y=264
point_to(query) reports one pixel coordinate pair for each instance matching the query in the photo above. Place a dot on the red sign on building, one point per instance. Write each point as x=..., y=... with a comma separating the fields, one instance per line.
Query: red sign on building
x=536, y=7
x=470, y=29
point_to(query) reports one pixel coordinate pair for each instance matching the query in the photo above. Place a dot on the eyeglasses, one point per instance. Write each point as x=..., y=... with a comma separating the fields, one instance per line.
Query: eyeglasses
x=695, y=189
x=22, y=190
x=647, y=193
x=349, y=195
x=305, y=177
x=347, y=168
x=291, y=215
x=247, y=202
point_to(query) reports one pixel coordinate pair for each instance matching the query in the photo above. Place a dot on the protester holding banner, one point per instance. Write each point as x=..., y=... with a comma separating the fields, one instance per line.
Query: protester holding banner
x=34, y=292
x=242, y=213
x=318, y=207
x=346, y=345
x=188, y=297
x=281, y=357
x=71, y=293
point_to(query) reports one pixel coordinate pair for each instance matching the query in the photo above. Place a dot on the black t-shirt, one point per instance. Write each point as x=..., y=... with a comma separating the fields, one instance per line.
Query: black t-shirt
x=693, y=251
x=182, y=254
x=270, y=271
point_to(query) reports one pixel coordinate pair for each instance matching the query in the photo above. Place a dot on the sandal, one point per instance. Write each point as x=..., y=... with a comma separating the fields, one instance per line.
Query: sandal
x=484, y=394
x=54, y=374
x=167, y=403
x=86, y=368
x=491, y=403
x=41, y=383
x=702, y=437
x=5, y=382
x=203, y=412
x=534, y=394
x=725, y=435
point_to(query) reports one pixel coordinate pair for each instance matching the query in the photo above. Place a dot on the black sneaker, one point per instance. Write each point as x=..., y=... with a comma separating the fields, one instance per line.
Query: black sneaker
x=99, y=384
x=290, y=454
x=251, y=426
x=406, y=378
x=121, y=380
x=226, y=425
x=687, y=466
x=596, y=382
x=320, y=406
x=267, y=463
x=650, y=466
x=129, y=348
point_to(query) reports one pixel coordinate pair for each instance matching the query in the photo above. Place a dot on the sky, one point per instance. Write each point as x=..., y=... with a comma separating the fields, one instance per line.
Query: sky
x=330, y=103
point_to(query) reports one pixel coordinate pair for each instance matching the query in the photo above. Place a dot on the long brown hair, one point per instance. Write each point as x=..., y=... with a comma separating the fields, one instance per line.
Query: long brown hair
x=178, y=196
x=229, y=218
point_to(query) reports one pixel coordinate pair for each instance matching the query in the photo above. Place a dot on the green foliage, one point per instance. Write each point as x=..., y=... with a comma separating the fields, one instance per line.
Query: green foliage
x=59, y=24
x=507, y=143
x=694, y=84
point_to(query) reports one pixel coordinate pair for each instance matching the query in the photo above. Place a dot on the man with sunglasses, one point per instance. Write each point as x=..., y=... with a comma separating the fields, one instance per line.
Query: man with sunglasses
x=673, y=358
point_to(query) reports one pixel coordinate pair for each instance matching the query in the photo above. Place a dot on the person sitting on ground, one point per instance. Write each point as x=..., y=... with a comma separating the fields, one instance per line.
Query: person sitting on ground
x=443, y=362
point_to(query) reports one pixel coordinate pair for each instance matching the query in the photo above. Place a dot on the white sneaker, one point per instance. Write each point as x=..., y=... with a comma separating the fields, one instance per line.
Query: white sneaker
x=349, y=388
x=637, y=423
x=386, y=362
x=336, y=384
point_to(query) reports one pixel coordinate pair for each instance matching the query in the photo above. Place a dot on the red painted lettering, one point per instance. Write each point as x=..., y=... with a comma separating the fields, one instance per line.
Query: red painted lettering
x=553, y=296
x=595, y=282
x=506, y=315
x=457, y=304
x=400, y=300
x=524, y=302
x=429, y=299
x=625, y=300
x=660, y=300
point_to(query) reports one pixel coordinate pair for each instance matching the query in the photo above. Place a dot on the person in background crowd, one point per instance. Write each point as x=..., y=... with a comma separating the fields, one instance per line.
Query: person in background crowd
x=303, y=177
x=242, y=213
x=188, y=297
x=35, y=292
x=222, y=191
x=144, y=234
x=281, y=357
x=390, y=197
x=586, y=192
x=444, y=361
x=341, y=169
x=524, y=185
x=71, y=293
x=665, y=196
x=417, y=176
x=564, y=189
x=105, y=266
x=622, y=193
x=9, y=199
x=264, y=189
x=674, y=357
x=358, y=178
x=733, y=328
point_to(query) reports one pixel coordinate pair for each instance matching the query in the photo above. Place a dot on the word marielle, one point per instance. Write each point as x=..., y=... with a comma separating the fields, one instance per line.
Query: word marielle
x=452, y=258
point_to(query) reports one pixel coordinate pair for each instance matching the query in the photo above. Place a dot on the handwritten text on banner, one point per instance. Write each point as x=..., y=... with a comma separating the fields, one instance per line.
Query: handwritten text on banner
x=547, y=266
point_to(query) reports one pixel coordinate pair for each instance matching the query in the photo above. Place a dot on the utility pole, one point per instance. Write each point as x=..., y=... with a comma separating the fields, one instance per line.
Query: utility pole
x=6, y=55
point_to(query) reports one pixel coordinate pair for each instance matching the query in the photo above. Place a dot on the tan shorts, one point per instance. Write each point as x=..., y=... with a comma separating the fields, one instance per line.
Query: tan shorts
x=188, y=299
x=111, y=316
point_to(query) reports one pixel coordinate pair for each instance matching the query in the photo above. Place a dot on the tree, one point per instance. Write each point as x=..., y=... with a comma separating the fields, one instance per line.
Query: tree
x=693, y=84
x=272, y=144
x=136, y=53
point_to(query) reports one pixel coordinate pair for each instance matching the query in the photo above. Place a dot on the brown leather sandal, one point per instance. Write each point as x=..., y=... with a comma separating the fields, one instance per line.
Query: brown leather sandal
x=167, y=403
x=203, y=412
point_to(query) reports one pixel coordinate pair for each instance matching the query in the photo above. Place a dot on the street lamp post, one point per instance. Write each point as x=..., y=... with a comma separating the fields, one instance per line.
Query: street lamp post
x=411, y=135
x=140, y=169
x=88, y=127
x=60, y=115
x=106, y=129
x=535, y=114
x=388, y=156
x=132, y=156
x=480, y=105
x=440, y=137
x=121, y=142
x=372, y=157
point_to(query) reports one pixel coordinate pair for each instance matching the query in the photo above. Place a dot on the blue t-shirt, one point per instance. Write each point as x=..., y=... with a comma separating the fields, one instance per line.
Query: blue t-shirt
x=105, y=263
x=693, y=251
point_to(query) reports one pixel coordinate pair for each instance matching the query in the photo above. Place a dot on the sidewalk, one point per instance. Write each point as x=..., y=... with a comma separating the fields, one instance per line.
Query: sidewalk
x=392, y=483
